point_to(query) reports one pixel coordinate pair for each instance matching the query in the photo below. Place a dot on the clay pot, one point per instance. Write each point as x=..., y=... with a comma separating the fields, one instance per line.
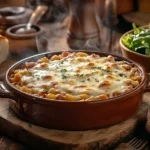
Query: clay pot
x=74, y=115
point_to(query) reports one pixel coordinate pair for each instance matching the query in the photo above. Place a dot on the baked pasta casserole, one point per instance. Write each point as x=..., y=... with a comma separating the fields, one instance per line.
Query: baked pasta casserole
x=76, y=76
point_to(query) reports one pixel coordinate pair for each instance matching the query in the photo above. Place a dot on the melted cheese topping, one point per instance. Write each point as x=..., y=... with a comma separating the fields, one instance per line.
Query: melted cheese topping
x=77, y=76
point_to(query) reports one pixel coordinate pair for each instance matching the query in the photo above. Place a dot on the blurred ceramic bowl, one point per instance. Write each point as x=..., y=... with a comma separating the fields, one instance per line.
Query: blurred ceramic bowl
x=142, y=59
x=19, y=42
x=10, y=16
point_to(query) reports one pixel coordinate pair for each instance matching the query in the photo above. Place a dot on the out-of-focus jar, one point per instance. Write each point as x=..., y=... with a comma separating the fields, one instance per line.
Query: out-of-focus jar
x=6, y=3
x=10, y=16
x=123, y=6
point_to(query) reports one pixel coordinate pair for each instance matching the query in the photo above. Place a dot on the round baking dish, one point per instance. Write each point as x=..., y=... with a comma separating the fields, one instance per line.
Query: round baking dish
x=74, y=115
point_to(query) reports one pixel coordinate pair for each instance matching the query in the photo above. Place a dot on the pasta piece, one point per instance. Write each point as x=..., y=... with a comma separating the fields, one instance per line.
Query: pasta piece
x=82, y=54
x=55, y=57
x=71, y=97
x=51, y=96
x=17, y=77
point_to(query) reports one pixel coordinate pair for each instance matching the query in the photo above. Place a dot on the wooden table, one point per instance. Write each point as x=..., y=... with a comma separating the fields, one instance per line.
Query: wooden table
x=57, y=41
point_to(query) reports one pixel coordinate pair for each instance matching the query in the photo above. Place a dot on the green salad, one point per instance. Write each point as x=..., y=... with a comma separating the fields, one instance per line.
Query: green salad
x=139, y=40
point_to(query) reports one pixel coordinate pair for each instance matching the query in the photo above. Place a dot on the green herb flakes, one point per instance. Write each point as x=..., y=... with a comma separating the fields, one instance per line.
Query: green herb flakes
x=63, y=70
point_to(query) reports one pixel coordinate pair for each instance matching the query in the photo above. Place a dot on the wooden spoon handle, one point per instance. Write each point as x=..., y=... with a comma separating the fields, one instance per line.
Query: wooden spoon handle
x=39, y=11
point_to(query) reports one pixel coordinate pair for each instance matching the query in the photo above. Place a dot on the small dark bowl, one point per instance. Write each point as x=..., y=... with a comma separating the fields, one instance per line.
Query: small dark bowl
x=137, y=57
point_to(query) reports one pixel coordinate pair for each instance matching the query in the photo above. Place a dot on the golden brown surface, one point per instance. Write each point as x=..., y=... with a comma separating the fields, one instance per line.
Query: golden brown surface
x=76, y=76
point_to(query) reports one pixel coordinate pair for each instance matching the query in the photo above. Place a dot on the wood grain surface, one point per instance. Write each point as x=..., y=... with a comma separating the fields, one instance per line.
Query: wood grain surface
x=139, y=18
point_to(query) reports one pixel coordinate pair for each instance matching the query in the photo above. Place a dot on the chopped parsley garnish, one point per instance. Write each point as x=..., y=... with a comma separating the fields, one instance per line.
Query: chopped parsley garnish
x=79, y=75
x=97, y=67
x=107, y=70
x=38, y=78
x=63, y=70
x=96, y=80
x=30, y=73
x=102, y=74
x=46, y=89
x=88, y=79
x=63, y=76
x=82, y=81
x=121, y=74
x=47, y=69
x=118, y=80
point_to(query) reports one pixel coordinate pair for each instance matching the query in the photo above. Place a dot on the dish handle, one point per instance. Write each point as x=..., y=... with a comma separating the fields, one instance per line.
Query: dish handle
x=5, y=93
x=147, y=87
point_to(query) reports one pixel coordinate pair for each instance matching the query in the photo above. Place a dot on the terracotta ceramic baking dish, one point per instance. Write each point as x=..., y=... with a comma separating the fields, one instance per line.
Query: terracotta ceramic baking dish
x=73, y=115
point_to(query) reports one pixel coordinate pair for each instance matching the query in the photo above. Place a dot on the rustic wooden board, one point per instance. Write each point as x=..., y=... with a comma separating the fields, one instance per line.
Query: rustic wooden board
x=43, y=138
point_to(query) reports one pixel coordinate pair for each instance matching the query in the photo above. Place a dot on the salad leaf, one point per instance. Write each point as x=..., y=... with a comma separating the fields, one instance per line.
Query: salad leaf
x=127, y=40
x=136, y=30
x=147, y=49
x=139, y=40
